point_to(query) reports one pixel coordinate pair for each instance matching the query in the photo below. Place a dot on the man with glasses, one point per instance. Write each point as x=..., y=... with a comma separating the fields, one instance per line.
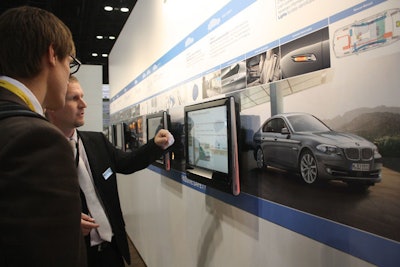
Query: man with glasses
x=74, y=65
x=39, y=191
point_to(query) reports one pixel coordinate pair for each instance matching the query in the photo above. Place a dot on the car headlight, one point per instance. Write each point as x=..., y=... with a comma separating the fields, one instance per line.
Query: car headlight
x=376, y=151
x=328, y=149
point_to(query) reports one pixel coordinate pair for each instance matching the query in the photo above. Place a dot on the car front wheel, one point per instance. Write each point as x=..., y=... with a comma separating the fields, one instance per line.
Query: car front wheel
x=308, y=167
x=260, y=158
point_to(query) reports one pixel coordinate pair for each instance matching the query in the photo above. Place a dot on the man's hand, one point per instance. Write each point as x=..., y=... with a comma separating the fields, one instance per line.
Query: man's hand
x=164, y=139
x=87, y=224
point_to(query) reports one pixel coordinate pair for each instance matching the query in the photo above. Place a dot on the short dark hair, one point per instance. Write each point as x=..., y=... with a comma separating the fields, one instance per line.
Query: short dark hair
x=26, y=35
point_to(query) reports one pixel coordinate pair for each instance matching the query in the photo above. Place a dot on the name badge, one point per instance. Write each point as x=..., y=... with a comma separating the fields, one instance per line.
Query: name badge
x=107, y=173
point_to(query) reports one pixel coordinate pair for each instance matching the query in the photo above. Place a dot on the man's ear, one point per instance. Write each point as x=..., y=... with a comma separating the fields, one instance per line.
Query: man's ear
x=51, y=54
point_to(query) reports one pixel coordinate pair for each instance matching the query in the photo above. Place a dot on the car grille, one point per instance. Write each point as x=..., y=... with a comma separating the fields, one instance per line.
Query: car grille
x=359, y=153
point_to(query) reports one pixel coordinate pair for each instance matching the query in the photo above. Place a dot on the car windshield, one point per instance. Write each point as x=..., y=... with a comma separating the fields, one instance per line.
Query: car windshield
x=306, y=123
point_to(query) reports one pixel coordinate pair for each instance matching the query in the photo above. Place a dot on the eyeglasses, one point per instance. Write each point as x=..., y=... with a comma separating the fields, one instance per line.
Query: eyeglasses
x=74, y=65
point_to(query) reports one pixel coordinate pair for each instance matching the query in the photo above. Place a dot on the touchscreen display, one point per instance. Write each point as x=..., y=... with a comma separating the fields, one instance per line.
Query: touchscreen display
x=153, y=126
x=208, y=138
x=119, y=136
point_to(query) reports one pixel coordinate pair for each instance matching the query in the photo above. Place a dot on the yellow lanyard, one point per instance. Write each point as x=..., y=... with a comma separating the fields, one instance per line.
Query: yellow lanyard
x=15, y=90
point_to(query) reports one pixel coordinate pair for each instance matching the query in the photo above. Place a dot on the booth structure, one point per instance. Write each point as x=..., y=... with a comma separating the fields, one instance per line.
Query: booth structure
x=241, y=187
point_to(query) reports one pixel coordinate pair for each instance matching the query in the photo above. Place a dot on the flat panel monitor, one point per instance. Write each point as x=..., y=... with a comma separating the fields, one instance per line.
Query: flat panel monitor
x=211, y=144
x=119, y=135
x=134, y=137
x=111, y=134
x=154, y=123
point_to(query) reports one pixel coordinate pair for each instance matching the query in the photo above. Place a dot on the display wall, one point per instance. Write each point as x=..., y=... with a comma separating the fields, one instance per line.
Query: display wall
x=90, y=79
x=336, y=61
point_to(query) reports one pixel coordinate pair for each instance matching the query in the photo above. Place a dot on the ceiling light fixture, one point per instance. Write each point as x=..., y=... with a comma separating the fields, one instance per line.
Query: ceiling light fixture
x=108, y=8
x=99, y=37
x=94, y=54
x=104, y=55
x=111, y=37
x=124, y=9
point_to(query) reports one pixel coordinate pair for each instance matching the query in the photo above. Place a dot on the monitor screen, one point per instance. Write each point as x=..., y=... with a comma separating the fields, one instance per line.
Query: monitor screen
x=119, y=136
x=134, y=133
x=110, y=134
x=155, y=122
x=208, y=138
x=211, y=144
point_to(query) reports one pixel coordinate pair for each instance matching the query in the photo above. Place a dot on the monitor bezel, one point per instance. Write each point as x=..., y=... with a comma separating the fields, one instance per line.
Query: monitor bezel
x=227, y=182
x=119, y=136
x=111, y=133
x=165, y=161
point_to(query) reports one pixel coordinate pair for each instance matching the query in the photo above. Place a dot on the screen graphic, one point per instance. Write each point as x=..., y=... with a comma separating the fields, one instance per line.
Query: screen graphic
x=208, y=138
x=211, y=144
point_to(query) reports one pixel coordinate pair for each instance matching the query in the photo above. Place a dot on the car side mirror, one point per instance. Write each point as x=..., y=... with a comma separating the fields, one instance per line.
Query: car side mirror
x=285, y=131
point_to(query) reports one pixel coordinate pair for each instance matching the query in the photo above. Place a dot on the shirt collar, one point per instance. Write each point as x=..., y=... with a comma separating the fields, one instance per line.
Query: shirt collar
x=27, y=92
x=74, y=136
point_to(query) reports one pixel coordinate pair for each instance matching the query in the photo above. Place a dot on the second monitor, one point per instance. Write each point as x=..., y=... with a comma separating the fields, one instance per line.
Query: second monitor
x=211, y=144
x=155, y=122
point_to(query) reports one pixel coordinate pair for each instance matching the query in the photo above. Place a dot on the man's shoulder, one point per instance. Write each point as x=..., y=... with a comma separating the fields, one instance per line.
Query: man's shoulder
x=31, y=126
x=31, y=135
x=27, y=122
x=90, y=133
x=91, y=136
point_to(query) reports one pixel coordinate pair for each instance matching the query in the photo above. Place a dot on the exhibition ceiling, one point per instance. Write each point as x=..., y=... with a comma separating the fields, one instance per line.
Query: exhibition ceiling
x=94, y=28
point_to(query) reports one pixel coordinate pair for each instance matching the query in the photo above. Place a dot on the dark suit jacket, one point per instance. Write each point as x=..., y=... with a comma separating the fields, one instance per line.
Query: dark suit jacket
x=40, y=205
x=103, y=155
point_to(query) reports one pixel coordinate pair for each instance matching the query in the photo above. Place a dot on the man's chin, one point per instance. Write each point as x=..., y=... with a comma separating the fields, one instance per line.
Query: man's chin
x=79, y=124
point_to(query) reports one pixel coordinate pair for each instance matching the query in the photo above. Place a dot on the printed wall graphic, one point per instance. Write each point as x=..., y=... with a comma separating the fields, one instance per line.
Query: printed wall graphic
x=211, y=84
x=306, y=54
x=263, y=68
x=301, y=142
x=369, y=33
x=333, y=149
x=233, y=78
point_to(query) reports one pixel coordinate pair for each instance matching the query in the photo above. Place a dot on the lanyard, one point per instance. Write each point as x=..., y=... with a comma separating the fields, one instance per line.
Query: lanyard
x=15, y=90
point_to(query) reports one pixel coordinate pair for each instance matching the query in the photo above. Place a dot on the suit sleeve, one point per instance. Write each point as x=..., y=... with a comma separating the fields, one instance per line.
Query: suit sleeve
x=129, y=162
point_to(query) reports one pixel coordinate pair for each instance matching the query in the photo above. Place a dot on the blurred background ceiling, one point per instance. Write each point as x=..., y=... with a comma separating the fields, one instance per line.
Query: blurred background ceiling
x=94, y=28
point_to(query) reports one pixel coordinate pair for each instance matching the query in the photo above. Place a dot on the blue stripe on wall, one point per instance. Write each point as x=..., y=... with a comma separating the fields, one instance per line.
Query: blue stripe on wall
x=366, y=246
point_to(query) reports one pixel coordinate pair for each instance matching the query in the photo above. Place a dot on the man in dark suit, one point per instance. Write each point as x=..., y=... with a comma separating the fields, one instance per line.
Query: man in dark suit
x=103, y=161
x=40, y=207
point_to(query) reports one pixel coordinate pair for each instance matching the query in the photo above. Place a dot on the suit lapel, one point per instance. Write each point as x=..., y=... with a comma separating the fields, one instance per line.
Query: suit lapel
x=90, y=150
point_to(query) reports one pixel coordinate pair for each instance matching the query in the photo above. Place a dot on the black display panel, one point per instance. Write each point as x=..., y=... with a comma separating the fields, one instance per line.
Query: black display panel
x=134, y=133
x=155, y=122
x=111, y=134
x=119, y=136
x=211, y=144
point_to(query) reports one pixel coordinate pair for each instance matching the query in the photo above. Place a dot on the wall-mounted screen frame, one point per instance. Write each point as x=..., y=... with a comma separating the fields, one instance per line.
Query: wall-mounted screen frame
x=119, y=135
x=110, y=134
x=155, y=122
x=134, y=137
x=211, y=144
